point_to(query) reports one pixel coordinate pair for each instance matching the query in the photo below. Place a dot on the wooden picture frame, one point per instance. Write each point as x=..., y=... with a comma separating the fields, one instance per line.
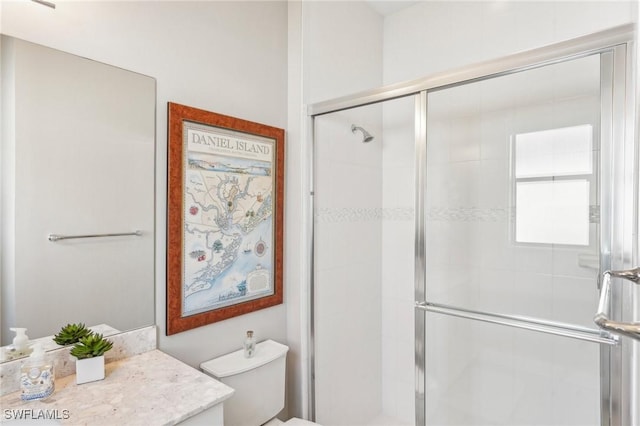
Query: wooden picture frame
x=225, y=203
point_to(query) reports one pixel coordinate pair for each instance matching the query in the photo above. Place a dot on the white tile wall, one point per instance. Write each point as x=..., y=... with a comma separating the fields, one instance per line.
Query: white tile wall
x=398, y=232
x=348, y=288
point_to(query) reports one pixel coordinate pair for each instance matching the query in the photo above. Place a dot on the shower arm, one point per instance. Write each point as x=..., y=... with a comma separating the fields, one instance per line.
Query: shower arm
x=602, y=320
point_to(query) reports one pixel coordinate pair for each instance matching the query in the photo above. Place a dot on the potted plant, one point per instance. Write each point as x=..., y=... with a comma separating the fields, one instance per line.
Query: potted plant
x=71, y=333
x=89, y=352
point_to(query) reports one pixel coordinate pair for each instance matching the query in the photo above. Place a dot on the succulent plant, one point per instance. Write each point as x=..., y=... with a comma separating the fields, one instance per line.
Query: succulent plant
x=91, y=346
x=71, y=333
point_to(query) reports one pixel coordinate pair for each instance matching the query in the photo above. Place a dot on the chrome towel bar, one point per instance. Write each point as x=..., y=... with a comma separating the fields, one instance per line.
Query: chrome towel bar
x=56, y=237
x=526, y=323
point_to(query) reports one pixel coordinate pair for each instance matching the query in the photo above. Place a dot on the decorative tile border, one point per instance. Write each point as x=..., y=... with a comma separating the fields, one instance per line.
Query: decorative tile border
x=348, y=214
x=125, y=345
x=398, y=213
x=434, y=214
x=467, y=214
x=362, y=214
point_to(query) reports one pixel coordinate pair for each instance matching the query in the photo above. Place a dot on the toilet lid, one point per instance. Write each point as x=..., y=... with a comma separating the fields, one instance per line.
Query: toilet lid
x=236, y=363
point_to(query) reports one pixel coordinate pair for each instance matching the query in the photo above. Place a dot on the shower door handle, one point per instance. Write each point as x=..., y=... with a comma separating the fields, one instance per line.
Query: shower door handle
x=602, y=320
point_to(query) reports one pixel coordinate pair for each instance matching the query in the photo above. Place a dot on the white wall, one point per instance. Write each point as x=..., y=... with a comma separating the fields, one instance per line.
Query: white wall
x=432, y=37
x=342, y=49
x=435, y=36
x=297, y=267
x=227, y=57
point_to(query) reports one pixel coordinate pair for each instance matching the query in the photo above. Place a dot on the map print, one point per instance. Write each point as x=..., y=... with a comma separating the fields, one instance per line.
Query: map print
x=228, y=219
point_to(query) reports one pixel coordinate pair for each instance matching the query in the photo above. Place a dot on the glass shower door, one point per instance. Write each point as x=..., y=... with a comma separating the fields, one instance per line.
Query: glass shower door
x=518, y=227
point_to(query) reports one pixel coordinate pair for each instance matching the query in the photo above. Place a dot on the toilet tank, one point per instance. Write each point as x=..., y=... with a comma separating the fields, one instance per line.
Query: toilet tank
x=258, y=382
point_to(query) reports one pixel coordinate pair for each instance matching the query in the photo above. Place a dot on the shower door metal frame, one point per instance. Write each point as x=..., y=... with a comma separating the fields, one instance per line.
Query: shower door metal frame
x=619, y=42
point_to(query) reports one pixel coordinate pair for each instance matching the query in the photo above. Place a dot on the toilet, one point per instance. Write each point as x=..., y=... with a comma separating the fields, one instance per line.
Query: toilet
x=258, y=383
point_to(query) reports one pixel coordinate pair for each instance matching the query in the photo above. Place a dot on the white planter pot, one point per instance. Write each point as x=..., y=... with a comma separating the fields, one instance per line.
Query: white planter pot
x=89, y=369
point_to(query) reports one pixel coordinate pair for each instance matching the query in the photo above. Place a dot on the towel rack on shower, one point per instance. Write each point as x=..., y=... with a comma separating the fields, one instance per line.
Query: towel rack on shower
x=523, y=322
x=56, y=237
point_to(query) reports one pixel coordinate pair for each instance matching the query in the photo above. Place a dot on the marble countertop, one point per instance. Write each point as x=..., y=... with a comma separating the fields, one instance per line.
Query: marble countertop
x=147, y=389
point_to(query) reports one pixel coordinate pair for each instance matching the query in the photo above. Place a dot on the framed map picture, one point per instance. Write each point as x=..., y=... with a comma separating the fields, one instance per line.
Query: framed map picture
x=224, y=217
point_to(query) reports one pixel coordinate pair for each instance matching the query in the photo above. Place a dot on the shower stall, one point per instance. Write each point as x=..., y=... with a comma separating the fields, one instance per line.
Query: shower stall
x=460, y=255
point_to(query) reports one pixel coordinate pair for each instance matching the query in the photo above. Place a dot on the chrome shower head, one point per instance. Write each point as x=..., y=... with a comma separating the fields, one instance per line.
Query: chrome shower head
x=366, y=136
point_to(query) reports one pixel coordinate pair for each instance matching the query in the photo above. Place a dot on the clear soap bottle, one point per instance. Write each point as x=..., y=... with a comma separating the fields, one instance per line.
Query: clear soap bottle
x=20, y=347
x=249, y=345
x=37, y=380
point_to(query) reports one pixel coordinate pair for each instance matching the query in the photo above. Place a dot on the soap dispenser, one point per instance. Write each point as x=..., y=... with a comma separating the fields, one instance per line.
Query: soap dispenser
x=249, y=345
x=21, y=340
x=37, y=380
x=20, y=346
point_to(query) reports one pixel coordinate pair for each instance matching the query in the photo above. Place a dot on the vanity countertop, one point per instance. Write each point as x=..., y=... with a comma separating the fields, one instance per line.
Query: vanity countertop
x=152, y=388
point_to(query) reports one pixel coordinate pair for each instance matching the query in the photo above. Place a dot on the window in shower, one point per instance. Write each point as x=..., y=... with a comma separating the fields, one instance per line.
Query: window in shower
x=552, y=172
